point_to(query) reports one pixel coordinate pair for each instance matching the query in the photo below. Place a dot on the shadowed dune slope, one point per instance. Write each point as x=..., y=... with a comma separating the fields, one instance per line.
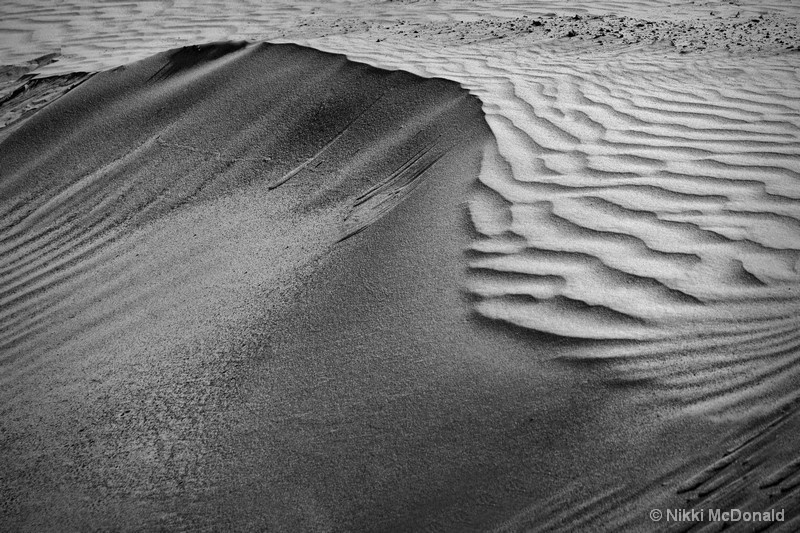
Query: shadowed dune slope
x=196, y=128
x=151, y=218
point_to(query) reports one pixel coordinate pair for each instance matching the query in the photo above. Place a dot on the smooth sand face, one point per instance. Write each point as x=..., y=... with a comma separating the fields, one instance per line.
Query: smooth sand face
x=264, y=287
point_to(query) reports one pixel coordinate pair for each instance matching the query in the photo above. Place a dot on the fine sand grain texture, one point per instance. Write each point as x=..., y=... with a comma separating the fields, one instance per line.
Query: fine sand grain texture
x=151, y=217
x=451, y=266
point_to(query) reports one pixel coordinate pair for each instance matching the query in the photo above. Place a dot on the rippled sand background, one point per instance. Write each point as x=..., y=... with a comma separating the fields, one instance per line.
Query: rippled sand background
x=580, y=305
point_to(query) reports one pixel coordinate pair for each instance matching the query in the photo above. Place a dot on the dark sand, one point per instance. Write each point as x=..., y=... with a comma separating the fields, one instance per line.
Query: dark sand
x=232, y=299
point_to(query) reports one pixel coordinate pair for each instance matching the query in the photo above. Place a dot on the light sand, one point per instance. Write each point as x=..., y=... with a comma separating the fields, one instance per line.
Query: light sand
x=268, y=288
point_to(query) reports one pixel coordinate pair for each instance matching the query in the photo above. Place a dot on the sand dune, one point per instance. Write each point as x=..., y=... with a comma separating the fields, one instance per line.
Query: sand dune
x=147, y=216
x=271, y=287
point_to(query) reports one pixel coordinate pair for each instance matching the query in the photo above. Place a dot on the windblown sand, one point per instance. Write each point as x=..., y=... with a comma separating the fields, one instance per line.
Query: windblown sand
x=521, y=267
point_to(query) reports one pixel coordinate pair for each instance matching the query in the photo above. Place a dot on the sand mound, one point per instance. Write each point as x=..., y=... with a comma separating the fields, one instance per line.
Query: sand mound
x=150, y=216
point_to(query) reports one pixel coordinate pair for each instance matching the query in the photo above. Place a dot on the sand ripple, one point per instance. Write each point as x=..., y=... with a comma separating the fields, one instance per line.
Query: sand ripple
x=647, y=201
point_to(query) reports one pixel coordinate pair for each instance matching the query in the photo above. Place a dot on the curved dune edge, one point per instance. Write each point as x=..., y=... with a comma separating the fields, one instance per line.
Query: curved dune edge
x=643, y=201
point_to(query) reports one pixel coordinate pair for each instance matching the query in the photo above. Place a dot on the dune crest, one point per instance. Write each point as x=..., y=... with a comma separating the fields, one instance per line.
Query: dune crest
x=647, y=200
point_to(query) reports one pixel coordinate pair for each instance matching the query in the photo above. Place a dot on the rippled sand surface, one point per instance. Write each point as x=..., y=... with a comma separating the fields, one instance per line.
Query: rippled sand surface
x=649, y=199
x=574, y=307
